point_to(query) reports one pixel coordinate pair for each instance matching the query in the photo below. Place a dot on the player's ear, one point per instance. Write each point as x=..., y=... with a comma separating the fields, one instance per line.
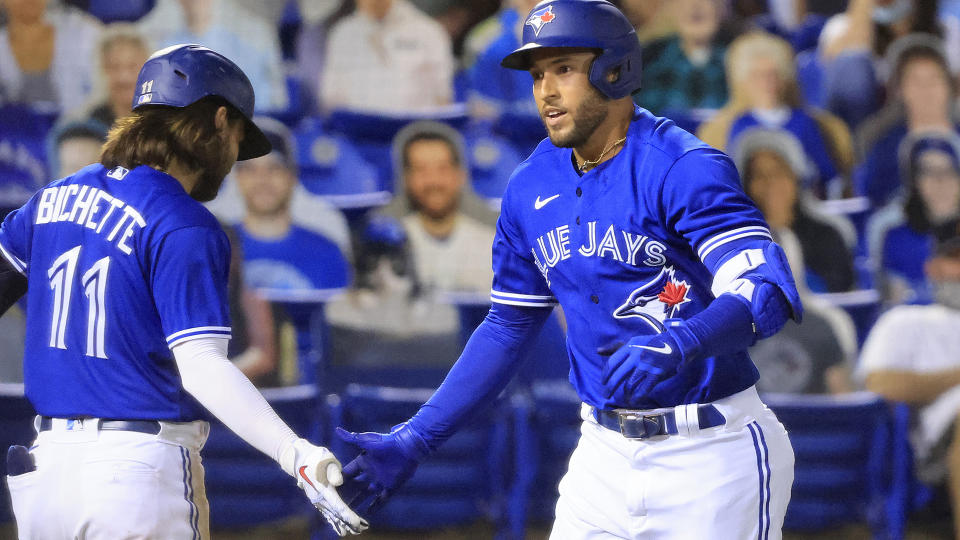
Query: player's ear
x=221, y=119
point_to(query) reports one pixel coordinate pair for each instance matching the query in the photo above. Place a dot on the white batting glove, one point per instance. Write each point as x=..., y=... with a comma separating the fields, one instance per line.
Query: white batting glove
x=318, y=472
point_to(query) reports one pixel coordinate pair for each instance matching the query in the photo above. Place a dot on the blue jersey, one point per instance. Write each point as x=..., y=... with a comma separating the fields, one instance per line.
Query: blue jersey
x=122, y=266
x=291, y=262
x=629, y=244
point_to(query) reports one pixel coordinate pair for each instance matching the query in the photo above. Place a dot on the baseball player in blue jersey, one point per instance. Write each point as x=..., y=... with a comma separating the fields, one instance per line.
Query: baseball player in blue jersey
x=127, y=324
x=666, y=273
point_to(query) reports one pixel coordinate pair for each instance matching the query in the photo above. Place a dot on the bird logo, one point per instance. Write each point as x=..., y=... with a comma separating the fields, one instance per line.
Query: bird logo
x=539, y=18
x=657, y=300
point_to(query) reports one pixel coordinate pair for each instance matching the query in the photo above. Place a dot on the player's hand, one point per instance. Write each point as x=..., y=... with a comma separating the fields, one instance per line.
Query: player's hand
x=634, y=369
x=318, y=472
x=386, y=461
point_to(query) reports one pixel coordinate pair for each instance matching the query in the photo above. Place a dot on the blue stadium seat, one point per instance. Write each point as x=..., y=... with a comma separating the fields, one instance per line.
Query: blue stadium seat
x=863, y=306
x=16, y=427
x=546, y=430
x=373, y=133
x=23, y=152
x=245, y=487
x=850, y=462
x=525, y=131
x=464, y=482
x=110, y=11
x=492, y=160
x=330, y=166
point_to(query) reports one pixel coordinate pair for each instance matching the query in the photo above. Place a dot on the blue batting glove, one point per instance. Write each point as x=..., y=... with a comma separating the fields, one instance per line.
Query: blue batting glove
x=386, y=461
x=633, y=370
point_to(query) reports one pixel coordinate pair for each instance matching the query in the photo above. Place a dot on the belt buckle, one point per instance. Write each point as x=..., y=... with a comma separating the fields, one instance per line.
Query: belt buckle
x=638, y=426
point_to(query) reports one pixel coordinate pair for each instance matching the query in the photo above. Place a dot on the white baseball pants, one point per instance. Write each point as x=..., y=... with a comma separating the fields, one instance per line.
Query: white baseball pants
x=113, y=485
x=730, y=482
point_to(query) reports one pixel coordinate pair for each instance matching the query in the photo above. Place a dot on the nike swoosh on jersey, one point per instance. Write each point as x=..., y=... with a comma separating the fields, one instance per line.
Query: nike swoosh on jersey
x=538, y=204
x=663, y=349
x=304, y=476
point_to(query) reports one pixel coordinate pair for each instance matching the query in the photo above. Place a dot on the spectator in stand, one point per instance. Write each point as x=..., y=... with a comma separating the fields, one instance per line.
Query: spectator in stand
x=853, y=46
x=247, y=39
x=447, y=245
x=46, y=55
x=902, y=236
x=815, y=357
x=911, y=356
x=123, y=49
x=922, y=93
x=493, y=90
x=278, y=253
x=387, y=57
x=764, y=92
x=773, y=167
x=685, y=71
x=76, y=145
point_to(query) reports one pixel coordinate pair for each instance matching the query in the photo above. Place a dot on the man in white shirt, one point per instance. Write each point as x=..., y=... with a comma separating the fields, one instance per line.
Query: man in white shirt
x=449, y=247
x=387, y=57
x=911, y=355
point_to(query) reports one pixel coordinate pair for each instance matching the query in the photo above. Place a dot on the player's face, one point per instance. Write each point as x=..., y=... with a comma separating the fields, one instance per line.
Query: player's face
x=121, y=65
x=570, y=107
x=773, y=186
x=433, y=178
x=939, y=185
x=266, y=185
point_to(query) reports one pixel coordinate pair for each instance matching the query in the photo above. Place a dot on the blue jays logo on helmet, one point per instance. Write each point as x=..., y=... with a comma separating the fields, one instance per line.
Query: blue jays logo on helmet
x=539, y=18
x=657, y=300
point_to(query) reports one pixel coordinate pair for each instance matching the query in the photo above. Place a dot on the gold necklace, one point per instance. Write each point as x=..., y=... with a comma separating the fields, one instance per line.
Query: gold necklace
x=593, y=163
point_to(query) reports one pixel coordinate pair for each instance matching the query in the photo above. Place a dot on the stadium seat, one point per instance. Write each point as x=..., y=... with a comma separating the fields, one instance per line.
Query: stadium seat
x=16, y=427
x=851, y=455
x=863, y=306
x=546, y=430
x=461, y=484
x=524, y=130
x=331, y=167
x=245, y=487
x=373, y=133
x=492, y=160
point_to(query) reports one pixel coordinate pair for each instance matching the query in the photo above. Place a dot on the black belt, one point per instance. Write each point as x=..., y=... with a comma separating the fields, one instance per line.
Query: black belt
x=640, y=425
x=150, y=427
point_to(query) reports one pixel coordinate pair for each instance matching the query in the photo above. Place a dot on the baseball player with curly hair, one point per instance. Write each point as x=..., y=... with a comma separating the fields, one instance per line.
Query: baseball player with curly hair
x=666, y=273
x=127, y=324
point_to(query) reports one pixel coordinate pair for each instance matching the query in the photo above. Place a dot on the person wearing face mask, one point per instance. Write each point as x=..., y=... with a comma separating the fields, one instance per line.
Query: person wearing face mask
x=911, y=356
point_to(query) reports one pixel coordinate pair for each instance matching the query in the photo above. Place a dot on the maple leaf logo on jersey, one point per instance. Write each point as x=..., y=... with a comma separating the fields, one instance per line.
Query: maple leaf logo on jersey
x=539, y=18
x=657, y=300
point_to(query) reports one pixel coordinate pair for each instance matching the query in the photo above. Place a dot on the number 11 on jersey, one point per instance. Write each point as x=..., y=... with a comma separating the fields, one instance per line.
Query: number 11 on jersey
x=94, y=282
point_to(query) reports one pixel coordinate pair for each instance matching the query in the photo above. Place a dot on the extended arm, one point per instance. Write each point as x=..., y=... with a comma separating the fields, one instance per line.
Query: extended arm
x=912, y=387
x=487, y=364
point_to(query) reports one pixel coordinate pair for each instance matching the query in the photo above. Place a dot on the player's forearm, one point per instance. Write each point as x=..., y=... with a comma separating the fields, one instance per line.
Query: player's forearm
x=218, y=385
x=490, y=359
x=724, y=327
x=13, y=285
x=911, y=387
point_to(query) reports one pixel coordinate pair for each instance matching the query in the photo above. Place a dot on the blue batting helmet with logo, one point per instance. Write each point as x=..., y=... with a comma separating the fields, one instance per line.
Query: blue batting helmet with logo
x=593, y=24
x=181, y=75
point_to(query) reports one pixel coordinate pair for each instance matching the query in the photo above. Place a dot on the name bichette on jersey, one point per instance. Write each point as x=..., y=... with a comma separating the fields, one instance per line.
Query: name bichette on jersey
x=92, y=208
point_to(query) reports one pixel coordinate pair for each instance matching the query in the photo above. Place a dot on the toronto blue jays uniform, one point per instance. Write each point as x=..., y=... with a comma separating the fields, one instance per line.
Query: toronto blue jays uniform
x=129, y=265
x=626, y=246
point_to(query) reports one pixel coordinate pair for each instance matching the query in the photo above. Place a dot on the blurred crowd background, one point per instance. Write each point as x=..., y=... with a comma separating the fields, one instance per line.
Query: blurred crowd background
x=361, y=244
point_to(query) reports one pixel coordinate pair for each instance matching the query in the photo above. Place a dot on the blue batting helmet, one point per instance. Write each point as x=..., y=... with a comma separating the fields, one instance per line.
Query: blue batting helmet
x=593, y=24
x=184, y=74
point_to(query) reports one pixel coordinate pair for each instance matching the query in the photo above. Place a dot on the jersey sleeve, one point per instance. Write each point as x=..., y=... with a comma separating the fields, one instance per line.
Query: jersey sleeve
x=189, y=283
x=704, y=203
x=517, y=281
x=15, y=237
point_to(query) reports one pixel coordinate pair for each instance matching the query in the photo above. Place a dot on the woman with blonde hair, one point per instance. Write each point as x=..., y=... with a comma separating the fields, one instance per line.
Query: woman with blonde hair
x=764, y=93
